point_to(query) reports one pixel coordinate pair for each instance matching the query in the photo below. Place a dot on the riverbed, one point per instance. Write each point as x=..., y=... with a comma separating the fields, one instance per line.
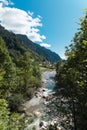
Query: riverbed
x=48, y=109
x=36, y=107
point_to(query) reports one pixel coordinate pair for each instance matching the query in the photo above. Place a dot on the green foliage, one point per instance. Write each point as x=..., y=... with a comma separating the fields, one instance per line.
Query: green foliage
x=17, y=47
x=4, y=115
x=16, y=122
x=19, y=78
x=45, y=53
x=15, y=101
x=72, y=75
x=10, y=121
x=7, y=70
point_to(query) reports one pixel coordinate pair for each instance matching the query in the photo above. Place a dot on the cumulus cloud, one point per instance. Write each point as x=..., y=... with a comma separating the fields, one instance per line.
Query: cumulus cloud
x=6, y=2
x=45, y=45
x=20, y=22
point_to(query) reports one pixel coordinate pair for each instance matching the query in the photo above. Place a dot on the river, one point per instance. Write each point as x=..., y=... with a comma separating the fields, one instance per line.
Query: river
x=47, y=110
x=37, y=105
x=48, y=80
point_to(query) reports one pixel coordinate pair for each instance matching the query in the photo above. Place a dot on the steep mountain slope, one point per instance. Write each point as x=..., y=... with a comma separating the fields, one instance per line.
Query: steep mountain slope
x=48, y=54
x=16, y=46
x=20, y=77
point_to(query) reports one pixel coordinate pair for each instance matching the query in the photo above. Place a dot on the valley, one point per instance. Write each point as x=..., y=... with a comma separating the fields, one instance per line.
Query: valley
x=43, y=107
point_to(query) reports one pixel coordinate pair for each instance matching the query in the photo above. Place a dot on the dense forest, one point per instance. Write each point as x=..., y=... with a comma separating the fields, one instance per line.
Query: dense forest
x=72, y=76
x=16, y=46
x=19, y=78
x=48, y=54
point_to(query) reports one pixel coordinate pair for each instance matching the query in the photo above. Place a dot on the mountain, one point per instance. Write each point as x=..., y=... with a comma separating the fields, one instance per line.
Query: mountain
x=19, y=44
x=48, y=54
x=16, y=46
x=20, y=74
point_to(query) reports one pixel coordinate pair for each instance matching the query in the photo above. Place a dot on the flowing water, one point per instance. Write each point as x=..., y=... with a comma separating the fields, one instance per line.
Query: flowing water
x=48, y=80
x=48, y=107
x=48, y=85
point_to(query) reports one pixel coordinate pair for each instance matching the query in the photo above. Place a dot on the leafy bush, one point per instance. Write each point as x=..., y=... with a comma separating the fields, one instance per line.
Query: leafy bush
x=15, y=102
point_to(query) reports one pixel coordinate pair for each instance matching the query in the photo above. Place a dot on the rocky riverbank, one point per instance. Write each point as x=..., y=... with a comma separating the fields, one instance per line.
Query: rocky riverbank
x=48, y=108
x=35, y=108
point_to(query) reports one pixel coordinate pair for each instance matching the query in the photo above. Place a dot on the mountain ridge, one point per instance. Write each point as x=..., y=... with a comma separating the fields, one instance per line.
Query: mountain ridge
x=47, y=53
x=18, y=44
x=15, y=45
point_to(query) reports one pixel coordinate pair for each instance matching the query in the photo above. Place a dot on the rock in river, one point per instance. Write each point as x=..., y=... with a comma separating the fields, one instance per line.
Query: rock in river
x=37, y=114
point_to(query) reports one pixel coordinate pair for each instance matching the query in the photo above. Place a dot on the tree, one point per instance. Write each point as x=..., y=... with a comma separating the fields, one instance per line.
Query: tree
x=7, y=68
x=72, y=75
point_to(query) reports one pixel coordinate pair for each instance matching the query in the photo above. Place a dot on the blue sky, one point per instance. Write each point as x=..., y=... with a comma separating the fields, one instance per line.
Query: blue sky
x=50, y=23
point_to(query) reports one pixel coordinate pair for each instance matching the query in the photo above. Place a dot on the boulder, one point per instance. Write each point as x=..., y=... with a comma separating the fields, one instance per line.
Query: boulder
x=45, y=95
x=43, y=125
x=45, y=102
x=59, y=128
x=44, y=128
x=52, y=123
x=37, y=114
x=43, y=89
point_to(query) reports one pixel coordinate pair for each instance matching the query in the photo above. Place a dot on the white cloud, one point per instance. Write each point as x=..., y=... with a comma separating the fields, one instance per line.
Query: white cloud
x=30, y=13
x=45, y=45
x=20, y=22
x=6, y=2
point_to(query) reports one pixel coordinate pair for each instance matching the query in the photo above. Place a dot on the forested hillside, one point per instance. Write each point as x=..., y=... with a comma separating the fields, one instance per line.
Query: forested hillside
x=72, y=75
x=47, y=54
x=16, y=46
x=19, y=78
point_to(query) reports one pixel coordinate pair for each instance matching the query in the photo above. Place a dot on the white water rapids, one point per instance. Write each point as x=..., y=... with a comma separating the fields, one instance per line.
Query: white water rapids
x=37, y=104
